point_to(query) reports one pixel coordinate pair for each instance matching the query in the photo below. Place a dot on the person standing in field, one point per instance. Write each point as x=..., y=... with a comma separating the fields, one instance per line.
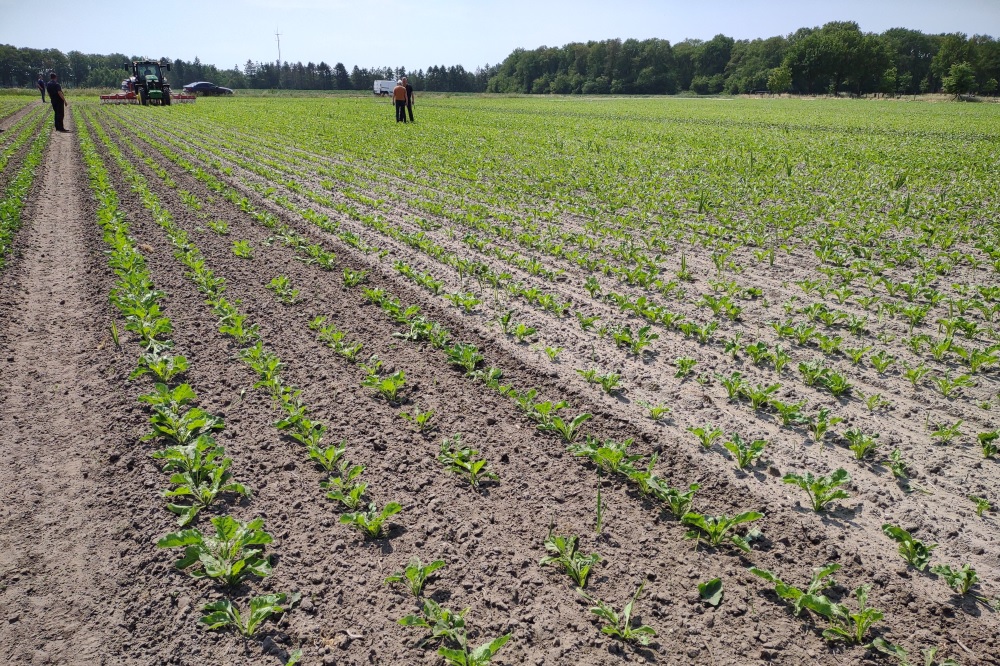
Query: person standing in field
x=399, y=99
x=409, y=98
x=40, y=84
x=58, y=100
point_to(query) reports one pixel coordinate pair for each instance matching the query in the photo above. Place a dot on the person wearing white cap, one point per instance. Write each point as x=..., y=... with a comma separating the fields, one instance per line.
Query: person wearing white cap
x=399, y=99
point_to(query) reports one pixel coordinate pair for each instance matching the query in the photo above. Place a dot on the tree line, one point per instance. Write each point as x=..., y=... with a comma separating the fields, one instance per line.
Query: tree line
x=835, y=58
x=21, y=67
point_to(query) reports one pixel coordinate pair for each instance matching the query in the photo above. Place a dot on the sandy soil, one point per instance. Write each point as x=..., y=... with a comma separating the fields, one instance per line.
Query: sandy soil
x=64, y=519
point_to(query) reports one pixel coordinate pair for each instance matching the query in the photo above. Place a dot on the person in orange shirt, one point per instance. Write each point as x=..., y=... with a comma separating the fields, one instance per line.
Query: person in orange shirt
x=399, y=99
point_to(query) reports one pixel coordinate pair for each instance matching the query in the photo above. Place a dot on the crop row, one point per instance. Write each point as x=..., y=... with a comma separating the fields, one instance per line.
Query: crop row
x=830, y=345
x=749, y=398
x=456, y=457
x=342, y=477
x=396, y=308
x=835, y=381
x=17, y=134
x=869, y=236
x=15, y=195
x=545, y=176
x=342, y=484
x=229, y=554
x=820, y=423
x=647, y=270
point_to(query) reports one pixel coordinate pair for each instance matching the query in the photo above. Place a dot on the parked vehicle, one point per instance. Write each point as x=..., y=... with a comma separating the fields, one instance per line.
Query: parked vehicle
x=207, y=88
x=384, y=87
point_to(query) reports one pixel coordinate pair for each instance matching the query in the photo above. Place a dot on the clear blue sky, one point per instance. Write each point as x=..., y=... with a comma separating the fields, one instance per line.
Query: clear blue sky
x=419, y=33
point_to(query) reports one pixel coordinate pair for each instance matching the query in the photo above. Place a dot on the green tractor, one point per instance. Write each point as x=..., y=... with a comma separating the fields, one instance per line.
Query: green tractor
x=149, y=83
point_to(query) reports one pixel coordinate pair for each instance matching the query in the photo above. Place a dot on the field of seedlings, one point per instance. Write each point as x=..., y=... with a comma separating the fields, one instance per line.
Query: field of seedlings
x=567, y=381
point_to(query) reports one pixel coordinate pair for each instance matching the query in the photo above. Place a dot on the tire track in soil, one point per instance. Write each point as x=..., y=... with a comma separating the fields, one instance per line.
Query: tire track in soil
x=59, y=542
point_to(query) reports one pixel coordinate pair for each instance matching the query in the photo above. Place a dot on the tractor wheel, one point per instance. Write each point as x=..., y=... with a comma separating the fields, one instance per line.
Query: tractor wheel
x=143, y=97
x=166, y=99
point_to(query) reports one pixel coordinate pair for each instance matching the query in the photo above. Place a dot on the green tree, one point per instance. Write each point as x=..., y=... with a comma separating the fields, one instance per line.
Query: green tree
x=780, y=79
x=684, y=54
x=904, y=83
x=961, y=79
x=953, y=49
x=751, y=63
x=890, y=81
x=912, y=52
x=712, y=57
x=342, y=78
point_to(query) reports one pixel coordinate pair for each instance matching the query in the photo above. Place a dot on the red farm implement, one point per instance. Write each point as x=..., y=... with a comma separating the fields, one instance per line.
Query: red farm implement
x=132, y=98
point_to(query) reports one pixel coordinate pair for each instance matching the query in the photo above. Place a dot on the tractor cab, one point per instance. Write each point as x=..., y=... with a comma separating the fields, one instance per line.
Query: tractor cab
x=151, y=86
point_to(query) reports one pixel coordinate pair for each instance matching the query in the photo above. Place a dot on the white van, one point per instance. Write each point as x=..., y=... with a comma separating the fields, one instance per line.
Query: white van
x=384, y=86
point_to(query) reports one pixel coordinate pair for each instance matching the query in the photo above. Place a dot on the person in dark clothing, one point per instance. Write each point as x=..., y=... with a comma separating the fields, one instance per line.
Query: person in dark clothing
x=40, y=84
x=399, y=99
x=58, y=100
x=409, y=98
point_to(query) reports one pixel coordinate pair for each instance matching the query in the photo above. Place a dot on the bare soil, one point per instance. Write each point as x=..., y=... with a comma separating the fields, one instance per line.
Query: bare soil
x=63, y=550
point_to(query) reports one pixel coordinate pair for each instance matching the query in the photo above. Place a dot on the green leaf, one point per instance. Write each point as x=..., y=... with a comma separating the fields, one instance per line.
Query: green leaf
x=711, y=591
x=765, y=574
x=414, y=621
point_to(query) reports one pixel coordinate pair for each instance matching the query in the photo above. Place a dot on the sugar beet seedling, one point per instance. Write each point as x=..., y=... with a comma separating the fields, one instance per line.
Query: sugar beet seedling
x=343, y=488
x=982, y=505
x=608, y=455
x=619, y=625
x=821, y=580
x=744, y=455
x=243, y=249
x=230, y=555
x=568, y=430
x=845, y=625
x=563, y=552
x=224, y=614
x=716, y=530
x=914, y=551
x=201, y=486
x=447, y=627
x=421, y=419
x=821, y=490
x=464, y=461
x=415, y=575
x=371, y=522
x=282, y=288
x=929, y=655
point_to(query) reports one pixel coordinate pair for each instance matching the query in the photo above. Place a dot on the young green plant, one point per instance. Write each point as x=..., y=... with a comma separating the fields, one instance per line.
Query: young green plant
x=564, y=552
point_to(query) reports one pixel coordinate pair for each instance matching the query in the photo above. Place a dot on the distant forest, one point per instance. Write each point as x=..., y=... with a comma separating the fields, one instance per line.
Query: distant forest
x=20, y=67
x=835, y=58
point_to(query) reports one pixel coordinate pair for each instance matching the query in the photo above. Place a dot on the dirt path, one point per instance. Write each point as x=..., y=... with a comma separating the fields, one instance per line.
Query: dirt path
x=57, y=558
